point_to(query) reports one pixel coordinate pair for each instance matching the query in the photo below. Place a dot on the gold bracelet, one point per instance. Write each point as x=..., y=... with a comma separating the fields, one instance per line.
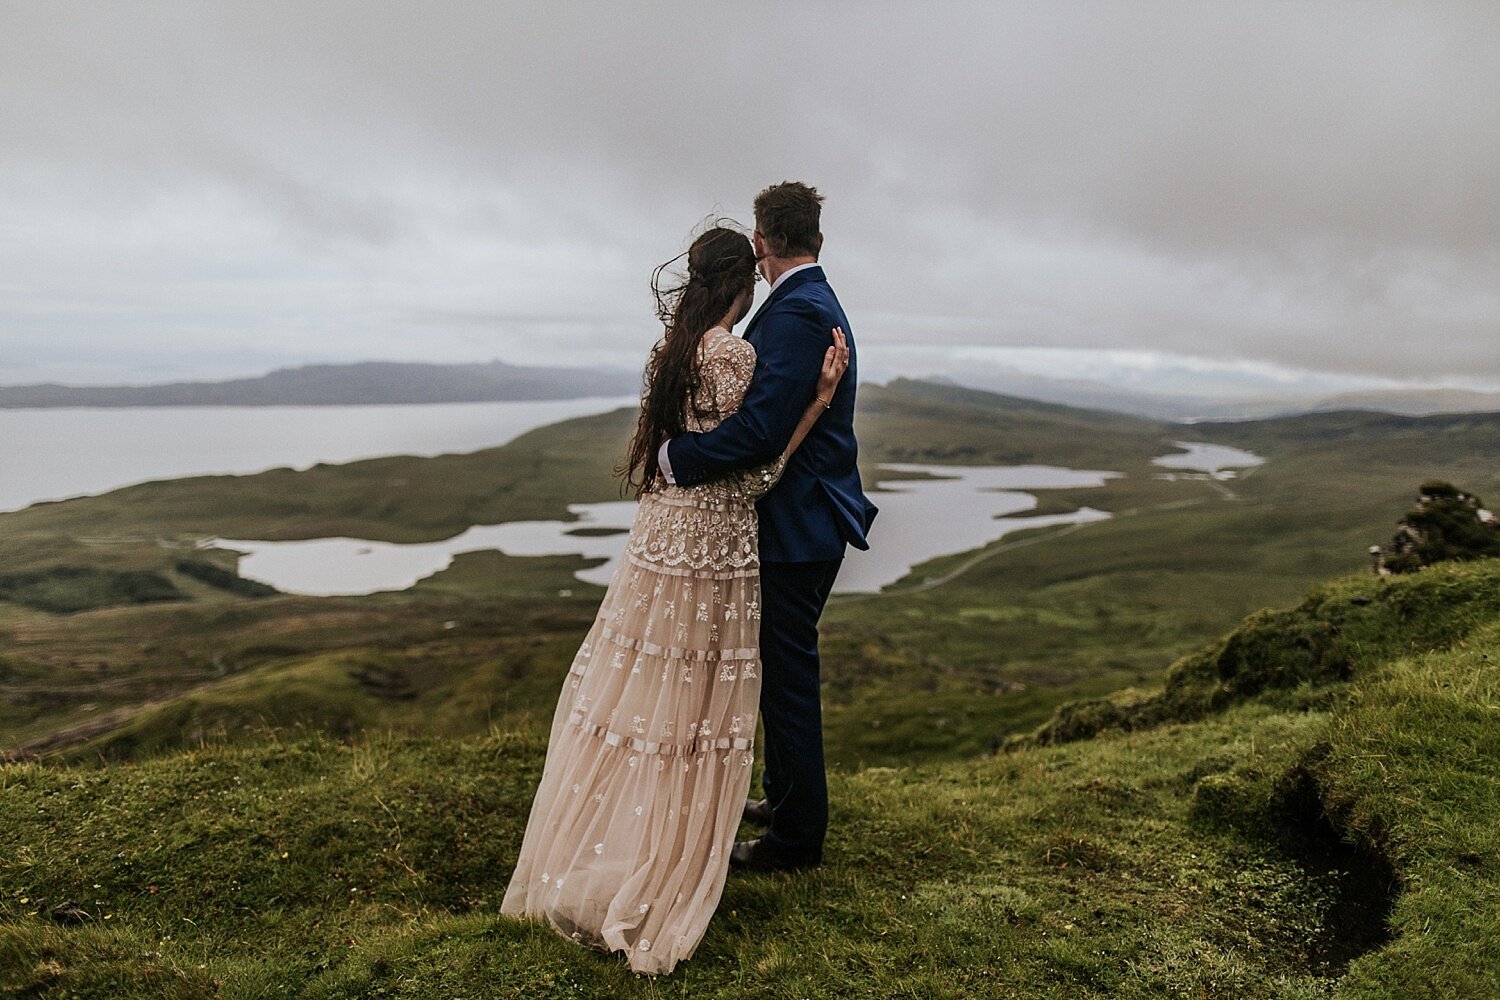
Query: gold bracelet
x=827, y=403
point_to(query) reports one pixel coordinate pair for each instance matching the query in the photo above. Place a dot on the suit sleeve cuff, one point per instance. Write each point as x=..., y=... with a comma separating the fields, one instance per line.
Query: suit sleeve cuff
x=665, y=463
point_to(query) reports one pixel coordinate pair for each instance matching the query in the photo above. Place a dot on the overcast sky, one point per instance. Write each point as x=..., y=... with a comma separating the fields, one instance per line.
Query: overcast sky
x=1293, y=191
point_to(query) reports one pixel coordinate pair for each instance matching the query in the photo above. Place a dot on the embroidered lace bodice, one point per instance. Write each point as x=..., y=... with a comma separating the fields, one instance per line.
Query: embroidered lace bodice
x=711, y=525
x=727, y=363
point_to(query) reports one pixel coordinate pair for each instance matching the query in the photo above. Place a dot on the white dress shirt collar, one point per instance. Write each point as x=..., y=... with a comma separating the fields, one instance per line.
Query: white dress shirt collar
x=789, y=272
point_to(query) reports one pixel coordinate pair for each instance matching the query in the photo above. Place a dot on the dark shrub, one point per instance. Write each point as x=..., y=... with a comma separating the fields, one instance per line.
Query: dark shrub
x=223, y=579
x=66, y=589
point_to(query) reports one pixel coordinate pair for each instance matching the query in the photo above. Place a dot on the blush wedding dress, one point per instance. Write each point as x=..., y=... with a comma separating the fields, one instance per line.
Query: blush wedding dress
x=648, y=765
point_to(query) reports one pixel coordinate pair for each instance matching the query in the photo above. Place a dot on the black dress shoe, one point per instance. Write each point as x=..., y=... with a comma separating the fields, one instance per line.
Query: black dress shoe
x=758, y=811
x=761, y=856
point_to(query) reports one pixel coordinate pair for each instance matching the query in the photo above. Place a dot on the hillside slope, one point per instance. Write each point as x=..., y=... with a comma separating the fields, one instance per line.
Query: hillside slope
x=1332, y=837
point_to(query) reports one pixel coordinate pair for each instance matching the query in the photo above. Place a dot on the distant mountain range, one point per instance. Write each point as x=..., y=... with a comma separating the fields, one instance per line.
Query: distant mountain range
x=1415, y=402
x=370, y=382
x=1164, y=405
x=388, y=382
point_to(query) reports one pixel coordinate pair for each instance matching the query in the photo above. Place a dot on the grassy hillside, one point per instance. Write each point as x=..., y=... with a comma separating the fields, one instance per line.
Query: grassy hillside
x=1332, y=834
x=126, y=681
x=913, y=421
x=1114, y=603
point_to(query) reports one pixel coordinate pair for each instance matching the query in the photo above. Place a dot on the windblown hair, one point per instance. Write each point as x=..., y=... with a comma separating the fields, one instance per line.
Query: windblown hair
x=720, y=268
x=788, y=216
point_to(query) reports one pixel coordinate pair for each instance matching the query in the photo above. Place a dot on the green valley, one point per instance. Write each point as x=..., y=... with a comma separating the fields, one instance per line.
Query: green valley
x=1011, y=629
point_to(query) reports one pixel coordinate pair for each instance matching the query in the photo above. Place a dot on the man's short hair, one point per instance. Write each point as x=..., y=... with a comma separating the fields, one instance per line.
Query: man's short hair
x=787, y=217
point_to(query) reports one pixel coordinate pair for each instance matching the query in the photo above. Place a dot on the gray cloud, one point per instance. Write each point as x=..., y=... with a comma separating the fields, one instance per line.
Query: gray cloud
x=1311, y=185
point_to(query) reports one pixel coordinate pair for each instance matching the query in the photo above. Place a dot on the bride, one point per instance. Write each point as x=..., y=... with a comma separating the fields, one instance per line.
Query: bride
x=627, y=845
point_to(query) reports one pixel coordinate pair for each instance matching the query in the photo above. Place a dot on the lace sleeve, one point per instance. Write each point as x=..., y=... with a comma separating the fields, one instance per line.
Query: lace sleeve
x=752, y=484
x=726, y=373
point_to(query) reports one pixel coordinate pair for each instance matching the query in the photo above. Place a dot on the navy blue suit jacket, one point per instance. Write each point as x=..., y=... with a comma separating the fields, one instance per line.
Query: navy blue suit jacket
x=819, y=504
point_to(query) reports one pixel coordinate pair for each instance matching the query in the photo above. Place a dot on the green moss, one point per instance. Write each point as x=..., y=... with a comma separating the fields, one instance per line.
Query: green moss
x=1338, y=631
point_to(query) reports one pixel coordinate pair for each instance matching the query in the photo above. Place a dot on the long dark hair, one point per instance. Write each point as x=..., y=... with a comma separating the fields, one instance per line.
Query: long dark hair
x=720, y=268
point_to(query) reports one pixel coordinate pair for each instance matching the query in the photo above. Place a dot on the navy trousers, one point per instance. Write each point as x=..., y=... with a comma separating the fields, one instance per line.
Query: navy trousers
x=791, y=709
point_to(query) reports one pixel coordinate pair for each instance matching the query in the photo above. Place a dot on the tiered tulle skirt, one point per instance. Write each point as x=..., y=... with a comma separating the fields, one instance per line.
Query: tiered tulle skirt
x=627, y=846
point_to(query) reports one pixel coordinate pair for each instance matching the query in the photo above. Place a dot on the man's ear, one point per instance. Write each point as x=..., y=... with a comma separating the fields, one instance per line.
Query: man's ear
x=818, y=247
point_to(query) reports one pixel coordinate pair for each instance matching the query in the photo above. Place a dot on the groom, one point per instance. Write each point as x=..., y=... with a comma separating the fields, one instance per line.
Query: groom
x=805, y=521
